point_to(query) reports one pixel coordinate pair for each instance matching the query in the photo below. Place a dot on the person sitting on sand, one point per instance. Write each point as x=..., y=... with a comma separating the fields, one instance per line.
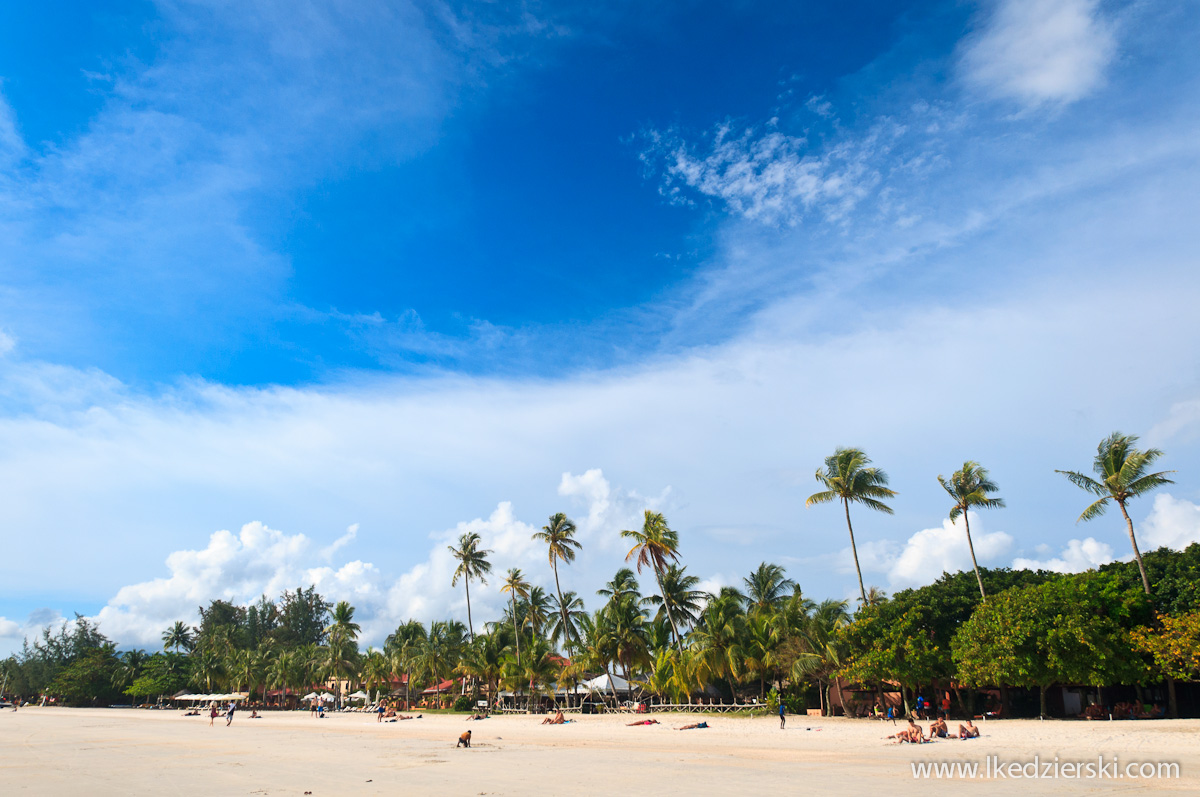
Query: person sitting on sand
x=254, y=715
x=939, y=729
x=558, y=719
x=912, y=734
x=968, y=731
x=693, y=725
x=643, y=722
x=464, y=740
x=391, y=712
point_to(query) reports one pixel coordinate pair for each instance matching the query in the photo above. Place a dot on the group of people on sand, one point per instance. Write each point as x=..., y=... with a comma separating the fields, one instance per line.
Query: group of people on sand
x=938, y=729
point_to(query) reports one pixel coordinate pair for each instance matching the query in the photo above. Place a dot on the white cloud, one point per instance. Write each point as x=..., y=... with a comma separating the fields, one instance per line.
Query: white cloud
x=931, y=552
x=341, y=542
x=1039, y=51
x=1173, y=522
x=771, y=176
x=1077, y=556
x=259, y=560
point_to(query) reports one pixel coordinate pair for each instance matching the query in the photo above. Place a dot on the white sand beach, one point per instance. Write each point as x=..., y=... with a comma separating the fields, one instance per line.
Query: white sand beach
x=110, y=751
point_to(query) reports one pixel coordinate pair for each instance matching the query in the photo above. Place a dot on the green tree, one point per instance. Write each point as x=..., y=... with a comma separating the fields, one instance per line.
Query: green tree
x=403, y=647
x=654, y=544
x=847, y=478
x=472, y=563
x=766, y=588
x=516, y=586
x=1123, y=475
x=679, y=590
x=559, y=536
x=970, y=487
x=178, y=636
x=89, y=678
x=1071, y=629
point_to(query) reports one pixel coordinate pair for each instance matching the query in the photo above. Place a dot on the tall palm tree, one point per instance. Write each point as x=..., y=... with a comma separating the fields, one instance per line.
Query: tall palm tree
x=178, y=636
x=970, y=488
x=1122, y=471
x=847, y=478
x=654, y=544
x=559, y=536
x=472, y=563
x=718, y=638
x=516, y=586
x=767, y=587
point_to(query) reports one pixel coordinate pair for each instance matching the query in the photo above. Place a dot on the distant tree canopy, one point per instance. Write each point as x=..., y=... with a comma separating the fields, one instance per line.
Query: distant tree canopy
x=1035, y=629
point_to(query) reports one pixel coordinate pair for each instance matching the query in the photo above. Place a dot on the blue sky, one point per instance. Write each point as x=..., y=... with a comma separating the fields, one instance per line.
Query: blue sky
x=291, y=269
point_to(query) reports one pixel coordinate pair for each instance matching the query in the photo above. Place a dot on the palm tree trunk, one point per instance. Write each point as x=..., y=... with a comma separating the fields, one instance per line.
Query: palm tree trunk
x=854, y=550
x=562, y=609
x=470, y=626
x=974, y=563
x=516, y=631
x=1136, y=552
x=841, y=695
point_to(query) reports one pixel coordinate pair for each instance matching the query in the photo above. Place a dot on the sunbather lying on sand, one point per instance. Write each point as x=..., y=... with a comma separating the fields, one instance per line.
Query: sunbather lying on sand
x=693, y=725
x=643, y=722
x=557, y=720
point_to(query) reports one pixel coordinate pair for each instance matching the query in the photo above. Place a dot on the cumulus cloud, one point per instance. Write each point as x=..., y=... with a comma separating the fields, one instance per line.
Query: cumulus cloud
x=1039, y=51
x=931, y=552
x=1173, y=522
x=259, y=560
x=1077, y=556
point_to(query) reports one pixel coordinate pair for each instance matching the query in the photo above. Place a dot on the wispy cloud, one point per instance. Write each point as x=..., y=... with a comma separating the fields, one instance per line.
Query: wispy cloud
x=1039, y=51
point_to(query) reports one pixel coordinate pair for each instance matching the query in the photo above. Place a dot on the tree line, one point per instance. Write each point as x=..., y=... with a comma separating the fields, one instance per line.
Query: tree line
x=1133, y=624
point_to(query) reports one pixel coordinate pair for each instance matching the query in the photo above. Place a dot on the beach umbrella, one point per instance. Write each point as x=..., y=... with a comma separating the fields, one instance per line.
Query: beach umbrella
x=310, y=696
x=359, y=695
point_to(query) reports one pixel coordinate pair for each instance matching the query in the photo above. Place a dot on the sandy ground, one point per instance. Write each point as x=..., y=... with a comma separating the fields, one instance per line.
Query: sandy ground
x=110, y=751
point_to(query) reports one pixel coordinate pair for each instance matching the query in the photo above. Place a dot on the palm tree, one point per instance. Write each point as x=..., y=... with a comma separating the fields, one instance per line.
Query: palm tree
x=847, y=478
x=439, y=653
x=376, y=669
x=178, y=636
x=402, y=646
x=767, y=587
x=566, y=618
x=559, y=536
x=515, y=585
x=343, y=622
x=969, y=487
x=339, y=661
x=679, y=590
x=484, y=658
x=622, y=584
x=1122, y=470
x=654, y=544
x=822, y=651
x=472, y=563
x=718, y=637
x=537, y=607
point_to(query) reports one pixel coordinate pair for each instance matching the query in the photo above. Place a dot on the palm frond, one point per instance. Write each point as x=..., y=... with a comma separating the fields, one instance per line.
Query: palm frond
x=1095, y=510
x=821, y=498
x=871, y=503
x=1084, y=482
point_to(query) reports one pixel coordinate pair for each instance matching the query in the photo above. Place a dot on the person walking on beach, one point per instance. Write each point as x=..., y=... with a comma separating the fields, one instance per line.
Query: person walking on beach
x=229, y=714
x=212, y=714
x=782, y=714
